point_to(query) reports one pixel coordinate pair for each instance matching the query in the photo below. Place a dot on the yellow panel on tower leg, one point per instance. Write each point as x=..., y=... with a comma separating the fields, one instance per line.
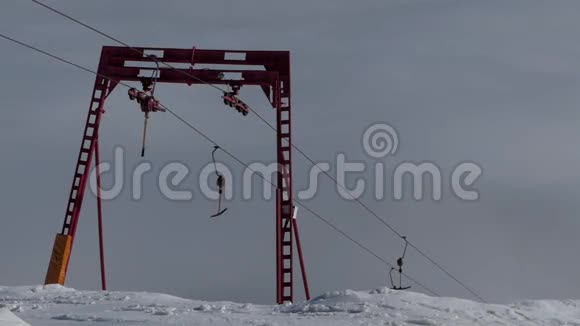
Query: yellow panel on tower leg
x=56, y=273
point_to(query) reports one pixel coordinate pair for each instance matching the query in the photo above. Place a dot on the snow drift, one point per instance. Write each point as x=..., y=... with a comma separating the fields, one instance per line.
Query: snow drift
x=7, y=318
x=57, y=305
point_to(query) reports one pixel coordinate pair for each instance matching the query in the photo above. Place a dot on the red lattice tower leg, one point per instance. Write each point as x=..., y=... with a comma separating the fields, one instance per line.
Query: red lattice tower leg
x=285, y=275
x=59, y=260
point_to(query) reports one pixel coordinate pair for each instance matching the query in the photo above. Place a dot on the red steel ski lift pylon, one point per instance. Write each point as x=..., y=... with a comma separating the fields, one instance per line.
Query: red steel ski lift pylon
x=119, y=64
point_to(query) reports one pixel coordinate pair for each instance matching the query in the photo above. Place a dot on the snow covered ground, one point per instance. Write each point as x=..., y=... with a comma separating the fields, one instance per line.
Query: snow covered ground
x=57, y=305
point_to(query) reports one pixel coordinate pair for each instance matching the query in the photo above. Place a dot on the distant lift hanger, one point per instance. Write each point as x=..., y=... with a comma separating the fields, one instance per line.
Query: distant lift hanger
x=220, y=183
x=400, y=270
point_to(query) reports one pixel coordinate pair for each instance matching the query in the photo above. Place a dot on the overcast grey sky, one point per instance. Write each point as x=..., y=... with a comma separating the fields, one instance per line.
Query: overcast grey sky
x=495, y=82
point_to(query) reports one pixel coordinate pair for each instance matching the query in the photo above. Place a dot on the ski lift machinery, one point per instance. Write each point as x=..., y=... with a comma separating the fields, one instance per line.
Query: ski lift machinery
x=123, y=64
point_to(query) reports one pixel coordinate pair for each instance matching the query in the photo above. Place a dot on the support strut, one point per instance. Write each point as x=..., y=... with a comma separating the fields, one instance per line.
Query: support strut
x=100, y=217
x=300, y=256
